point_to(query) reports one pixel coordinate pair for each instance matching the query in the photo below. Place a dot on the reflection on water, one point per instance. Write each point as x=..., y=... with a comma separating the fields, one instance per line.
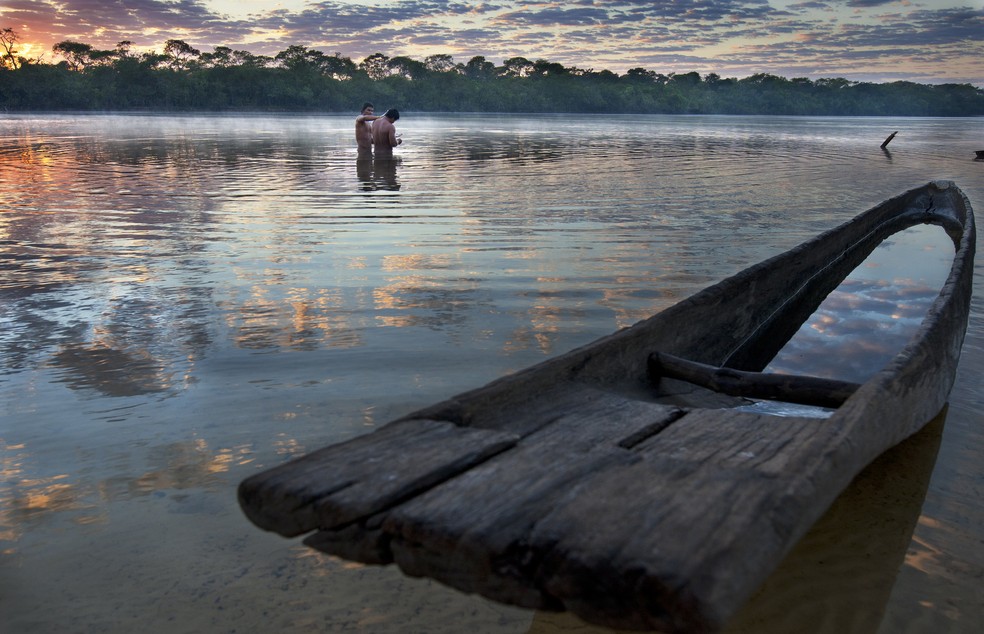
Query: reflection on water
x=863, y=323
x=185, y=301
x=866, y=320
x=30, y=503
x=378, y=174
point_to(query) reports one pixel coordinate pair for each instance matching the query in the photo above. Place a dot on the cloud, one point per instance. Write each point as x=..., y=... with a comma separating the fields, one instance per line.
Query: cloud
x=870, y=3
x=555, y=16
x=681, y=11
x=870, y=38
x=822, y=6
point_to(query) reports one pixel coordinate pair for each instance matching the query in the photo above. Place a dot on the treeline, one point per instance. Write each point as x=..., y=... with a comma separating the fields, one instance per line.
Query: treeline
x=183, y=78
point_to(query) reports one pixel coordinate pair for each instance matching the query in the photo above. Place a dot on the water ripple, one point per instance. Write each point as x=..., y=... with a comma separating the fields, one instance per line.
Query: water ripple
x=185, y=298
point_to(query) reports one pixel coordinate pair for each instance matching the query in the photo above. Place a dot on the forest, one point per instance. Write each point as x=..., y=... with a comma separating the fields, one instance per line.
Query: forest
x=301, y=79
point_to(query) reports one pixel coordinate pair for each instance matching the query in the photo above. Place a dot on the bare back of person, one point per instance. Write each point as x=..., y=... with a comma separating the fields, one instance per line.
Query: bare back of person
x=384, y=134
x=363, y=130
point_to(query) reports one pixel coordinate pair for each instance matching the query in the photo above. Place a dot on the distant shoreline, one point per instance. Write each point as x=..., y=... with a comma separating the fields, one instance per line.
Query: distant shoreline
x=130, y=85
x=411, y=113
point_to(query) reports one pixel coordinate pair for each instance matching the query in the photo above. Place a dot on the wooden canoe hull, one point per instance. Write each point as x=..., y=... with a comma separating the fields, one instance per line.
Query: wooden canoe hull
x=577, y=485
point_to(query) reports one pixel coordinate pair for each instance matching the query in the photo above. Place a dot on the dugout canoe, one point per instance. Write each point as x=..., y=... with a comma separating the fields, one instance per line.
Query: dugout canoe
x=619, y=481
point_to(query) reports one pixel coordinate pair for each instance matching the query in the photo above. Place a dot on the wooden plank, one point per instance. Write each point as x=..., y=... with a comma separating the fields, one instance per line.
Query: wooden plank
x=355, y=480
x=618, y=535
x=672, y=562
x=534, y=405
x=364, y=475
x=501, y=496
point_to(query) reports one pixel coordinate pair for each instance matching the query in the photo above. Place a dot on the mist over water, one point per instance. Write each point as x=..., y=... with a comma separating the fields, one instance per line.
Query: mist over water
x=187, y=300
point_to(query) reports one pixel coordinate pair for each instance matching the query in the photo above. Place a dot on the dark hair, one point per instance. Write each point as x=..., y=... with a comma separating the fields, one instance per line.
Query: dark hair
x=366, y=105
x=393, y=114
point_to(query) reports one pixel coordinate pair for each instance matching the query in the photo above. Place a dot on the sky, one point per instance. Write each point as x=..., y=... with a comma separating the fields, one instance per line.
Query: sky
x=925, y=41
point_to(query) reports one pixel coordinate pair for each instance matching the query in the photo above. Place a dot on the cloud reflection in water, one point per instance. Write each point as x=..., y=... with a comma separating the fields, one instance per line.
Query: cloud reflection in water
x=871, y=316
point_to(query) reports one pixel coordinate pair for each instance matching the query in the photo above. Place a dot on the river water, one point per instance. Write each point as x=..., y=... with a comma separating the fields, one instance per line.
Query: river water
x=186, y=300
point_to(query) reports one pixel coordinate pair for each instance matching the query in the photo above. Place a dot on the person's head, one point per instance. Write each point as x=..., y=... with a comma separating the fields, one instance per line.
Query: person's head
x=368, y=108
x=392, y=114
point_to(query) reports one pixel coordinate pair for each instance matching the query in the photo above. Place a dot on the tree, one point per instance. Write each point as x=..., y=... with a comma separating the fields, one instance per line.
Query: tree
x=245, y=58
x=478, y=68
x=544, y=67
x=764, y=79
x=77, y=54
x=517, y=67
x=153, y=59
x=8, y=43
x=601, y=75
x=833, y=83
x=375, y=66
x=304, y=79
x=686, y=79
x=441, y=63
x=221, y=57
x=123, y=49
x=298, y=58
x=338, y=67
x=180, y=53
x=641, y=75
x=406, y=67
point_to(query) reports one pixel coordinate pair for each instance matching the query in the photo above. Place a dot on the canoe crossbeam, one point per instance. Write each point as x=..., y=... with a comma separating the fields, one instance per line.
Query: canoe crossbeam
x=789, y=388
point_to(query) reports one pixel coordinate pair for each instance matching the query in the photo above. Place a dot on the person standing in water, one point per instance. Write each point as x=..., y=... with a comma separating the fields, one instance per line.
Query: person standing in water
x=363, y=130
x=384, y=135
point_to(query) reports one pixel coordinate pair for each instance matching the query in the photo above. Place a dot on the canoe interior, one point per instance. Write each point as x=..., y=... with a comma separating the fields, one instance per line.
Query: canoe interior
x=580, y=484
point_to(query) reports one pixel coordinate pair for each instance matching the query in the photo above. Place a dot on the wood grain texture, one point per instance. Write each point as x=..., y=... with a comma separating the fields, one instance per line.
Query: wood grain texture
x=345, y=482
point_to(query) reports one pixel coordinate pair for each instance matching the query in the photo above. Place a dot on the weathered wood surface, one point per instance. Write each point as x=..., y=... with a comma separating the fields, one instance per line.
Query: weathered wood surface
x=577, y=485
x=805, y=390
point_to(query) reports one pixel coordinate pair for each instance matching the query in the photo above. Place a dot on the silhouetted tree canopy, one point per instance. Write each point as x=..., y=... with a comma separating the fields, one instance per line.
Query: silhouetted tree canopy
x=8, y=49
x=303, y=79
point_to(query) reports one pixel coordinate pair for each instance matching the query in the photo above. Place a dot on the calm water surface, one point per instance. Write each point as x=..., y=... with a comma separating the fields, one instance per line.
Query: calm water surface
x=187, y=300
